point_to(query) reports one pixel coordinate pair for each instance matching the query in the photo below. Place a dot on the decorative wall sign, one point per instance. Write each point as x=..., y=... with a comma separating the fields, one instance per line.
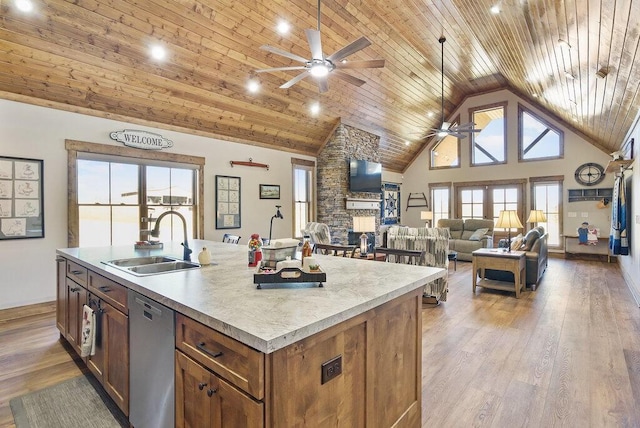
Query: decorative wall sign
x=21, y=198
x=227, y=202
x=141, y=139
x=269, y=191
x=390, y=205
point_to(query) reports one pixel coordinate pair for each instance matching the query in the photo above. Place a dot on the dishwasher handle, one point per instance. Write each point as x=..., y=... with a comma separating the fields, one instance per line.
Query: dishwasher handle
x=149, y=307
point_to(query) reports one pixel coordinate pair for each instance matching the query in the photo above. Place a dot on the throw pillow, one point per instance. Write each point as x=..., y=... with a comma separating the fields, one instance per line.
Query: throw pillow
x=530, y=239
x=516, y=242
x=478, y=234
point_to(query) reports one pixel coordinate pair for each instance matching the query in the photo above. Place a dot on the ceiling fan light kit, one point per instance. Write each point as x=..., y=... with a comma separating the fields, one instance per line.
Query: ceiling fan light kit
x=319, y=66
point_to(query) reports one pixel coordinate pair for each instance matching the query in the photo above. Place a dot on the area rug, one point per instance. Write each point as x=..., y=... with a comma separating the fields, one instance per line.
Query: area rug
x=77, y=402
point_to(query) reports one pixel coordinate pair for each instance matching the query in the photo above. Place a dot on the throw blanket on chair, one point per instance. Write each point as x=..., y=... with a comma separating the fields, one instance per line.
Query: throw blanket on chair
x=435, y=243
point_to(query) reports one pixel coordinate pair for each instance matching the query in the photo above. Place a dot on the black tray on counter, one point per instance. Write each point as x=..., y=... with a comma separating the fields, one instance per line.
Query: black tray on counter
x=290, y=275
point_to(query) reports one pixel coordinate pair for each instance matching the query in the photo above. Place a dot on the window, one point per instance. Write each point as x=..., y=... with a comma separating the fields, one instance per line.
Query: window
x=489, y=145
x=112, y=198
x=115, y=190
x=546, y=195
x=303, y=179
x=537, y=138
x=446, y=152
x=440, y=196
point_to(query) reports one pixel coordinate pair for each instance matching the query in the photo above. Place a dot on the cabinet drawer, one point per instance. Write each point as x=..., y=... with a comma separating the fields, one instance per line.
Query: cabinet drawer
x=77, y=273
x=230, y=359
x=108, y=290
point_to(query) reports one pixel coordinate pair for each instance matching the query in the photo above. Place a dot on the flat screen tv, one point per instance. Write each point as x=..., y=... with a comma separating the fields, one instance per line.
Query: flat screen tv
x=365, y=176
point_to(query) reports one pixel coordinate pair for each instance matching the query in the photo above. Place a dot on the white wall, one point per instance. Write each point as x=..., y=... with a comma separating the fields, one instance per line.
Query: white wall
x=27, y=266
x=576, y=152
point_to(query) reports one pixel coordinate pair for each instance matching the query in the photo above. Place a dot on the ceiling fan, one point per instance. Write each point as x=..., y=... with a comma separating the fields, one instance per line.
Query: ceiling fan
x=447, y=128
x=321, y=66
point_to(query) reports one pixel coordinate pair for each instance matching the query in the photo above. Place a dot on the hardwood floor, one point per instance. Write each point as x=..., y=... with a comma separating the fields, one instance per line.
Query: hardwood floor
x=567, y=354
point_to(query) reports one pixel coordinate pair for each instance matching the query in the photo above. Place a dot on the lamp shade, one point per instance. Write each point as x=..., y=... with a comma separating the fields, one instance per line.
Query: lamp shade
x=508, y=220
x=364, y=224
x=426, y=215
x=536, y=216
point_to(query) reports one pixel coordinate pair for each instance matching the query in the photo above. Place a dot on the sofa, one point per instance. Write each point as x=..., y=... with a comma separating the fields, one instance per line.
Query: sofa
x=434, y=242
x=534, y=243
x=468, y=235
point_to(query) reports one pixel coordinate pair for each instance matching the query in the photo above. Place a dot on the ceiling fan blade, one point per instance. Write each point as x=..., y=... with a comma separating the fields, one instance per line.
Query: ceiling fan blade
x=351, y=48
x=313, y=37
x=347, y=78
x=283, y=53
x=374, y=63
x=267, y=70
x=323, y=85
x=295, y=80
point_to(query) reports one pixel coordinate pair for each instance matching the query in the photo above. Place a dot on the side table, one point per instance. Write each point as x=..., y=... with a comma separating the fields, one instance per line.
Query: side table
x=453, y=255
x=489, y=258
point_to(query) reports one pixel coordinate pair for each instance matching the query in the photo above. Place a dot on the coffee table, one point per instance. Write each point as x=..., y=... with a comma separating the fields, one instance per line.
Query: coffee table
x=493, y=258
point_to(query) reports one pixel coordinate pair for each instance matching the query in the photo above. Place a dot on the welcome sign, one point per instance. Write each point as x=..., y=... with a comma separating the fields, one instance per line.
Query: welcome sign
x=141, y=139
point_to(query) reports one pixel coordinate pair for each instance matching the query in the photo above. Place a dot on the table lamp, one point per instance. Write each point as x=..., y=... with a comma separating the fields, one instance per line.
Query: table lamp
x=364, y=225
x=426, y=215
x=508, y=219
x=536, y=216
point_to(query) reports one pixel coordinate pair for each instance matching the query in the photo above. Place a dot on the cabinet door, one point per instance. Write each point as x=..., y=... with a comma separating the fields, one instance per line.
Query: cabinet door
x=76, y=298
x=96, y=362
x=115, y=341
x=61, y=295
x=193, y=408
x=232, y=408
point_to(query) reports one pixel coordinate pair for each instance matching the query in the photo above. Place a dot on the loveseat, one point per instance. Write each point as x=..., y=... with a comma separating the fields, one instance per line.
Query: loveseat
x=434, y=242
x=468, y=235
x=534, y=243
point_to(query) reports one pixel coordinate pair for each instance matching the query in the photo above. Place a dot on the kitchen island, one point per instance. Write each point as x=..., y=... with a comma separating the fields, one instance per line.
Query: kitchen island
x=346, y=354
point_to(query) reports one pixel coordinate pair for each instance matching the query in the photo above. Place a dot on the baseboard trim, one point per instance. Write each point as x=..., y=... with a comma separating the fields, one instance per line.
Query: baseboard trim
x=28, y=310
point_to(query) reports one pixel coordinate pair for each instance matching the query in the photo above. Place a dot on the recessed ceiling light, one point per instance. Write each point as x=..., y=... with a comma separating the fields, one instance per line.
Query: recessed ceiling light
x=24, y=5
x=253, y=85
x=344, y=61
x=158, y=52
x=407, y=142
x=495, y=9
x=534, y=95
x=431, y=114
x=569, y=76
x=315, y=108
x=283, y=27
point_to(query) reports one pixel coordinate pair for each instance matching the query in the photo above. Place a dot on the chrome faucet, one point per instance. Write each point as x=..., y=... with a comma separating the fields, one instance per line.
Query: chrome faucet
x=155, y=232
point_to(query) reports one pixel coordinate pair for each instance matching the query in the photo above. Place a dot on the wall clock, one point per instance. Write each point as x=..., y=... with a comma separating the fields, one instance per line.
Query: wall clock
x=589, y=174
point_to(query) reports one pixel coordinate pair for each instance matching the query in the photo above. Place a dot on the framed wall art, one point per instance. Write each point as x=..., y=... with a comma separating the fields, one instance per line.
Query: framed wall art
x=227, y=202
x=269, y=191
x=21, y=198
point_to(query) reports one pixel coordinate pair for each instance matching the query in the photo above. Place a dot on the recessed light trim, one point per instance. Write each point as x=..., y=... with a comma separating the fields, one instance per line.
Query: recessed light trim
x=158, y=52
x=564, y=43
x=24, y=5
x=253, y=85
x=569, y=75
x=495, y=9
x=315, y=108
x=283, y=27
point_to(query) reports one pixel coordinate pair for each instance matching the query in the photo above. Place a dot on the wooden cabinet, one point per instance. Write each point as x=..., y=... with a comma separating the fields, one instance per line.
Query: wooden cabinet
x=205, y=400
x=61, y=294
x=76, y=299
x=110, y=363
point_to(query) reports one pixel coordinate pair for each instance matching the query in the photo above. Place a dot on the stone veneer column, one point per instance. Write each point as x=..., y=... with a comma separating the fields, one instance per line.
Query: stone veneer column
x=333, y=179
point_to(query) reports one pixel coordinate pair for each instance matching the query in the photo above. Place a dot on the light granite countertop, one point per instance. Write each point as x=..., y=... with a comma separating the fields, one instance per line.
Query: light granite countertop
x=224, y=297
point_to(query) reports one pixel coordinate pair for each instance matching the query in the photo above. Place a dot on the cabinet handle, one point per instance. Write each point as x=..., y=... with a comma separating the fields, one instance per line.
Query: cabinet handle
x=76, y=272
x=202, y=348
x=201, y=385
x=210, y=392
x=74, y=289
x=104, y=288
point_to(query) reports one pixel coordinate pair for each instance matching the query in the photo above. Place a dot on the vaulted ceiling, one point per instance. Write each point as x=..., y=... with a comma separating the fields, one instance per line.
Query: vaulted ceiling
x=92, y=56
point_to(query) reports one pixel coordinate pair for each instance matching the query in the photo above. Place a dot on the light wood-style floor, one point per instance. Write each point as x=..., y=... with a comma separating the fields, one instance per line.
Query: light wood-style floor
x=567, y=354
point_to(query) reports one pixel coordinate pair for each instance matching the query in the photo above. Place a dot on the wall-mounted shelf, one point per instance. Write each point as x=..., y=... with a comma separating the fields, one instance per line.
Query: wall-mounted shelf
x=250, y=163
x=618, y=165
x=578, y=195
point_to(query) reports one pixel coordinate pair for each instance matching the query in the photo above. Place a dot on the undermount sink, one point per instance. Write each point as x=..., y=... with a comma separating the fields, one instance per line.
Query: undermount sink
x=153, y=265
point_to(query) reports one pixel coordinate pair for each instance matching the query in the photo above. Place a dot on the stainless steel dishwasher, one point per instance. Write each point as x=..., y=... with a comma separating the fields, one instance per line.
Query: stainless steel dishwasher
x=151, y=346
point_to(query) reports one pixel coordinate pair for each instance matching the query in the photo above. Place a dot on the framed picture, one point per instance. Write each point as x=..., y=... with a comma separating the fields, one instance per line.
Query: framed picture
x=227, y=202
x=21, y=198
x=269, y=191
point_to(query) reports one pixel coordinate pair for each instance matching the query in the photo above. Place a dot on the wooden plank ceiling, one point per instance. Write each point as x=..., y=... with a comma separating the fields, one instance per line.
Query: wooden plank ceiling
x=93, y=55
